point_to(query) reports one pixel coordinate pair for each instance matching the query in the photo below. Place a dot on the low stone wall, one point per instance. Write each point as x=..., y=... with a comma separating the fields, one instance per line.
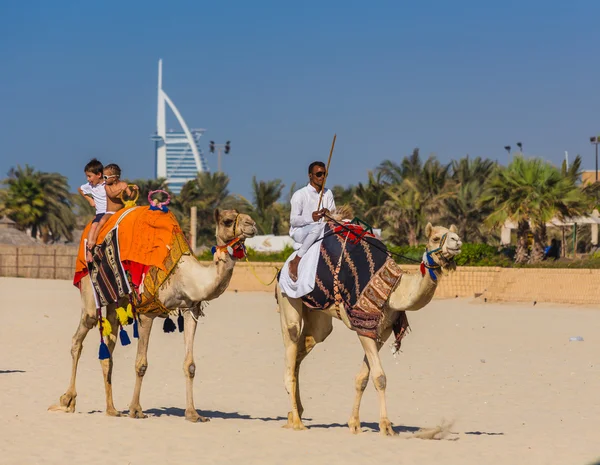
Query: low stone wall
x=49, y=262
x=566, y=286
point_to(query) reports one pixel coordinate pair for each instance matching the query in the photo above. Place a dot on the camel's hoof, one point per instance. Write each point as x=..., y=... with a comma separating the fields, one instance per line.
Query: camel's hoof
x=294, y=423
x=113, y=413
x=195, y=418
x=354, y=426
x=385, y=428
x=67, y=404
x=137, y=413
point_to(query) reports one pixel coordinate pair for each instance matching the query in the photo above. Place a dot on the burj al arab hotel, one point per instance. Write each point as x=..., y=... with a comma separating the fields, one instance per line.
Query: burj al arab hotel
x=178, y=155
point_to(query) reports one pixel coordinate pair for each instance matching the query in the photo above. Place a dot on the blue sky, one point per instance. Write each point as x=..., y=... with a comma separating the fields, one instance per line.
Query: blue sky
x=278, y=79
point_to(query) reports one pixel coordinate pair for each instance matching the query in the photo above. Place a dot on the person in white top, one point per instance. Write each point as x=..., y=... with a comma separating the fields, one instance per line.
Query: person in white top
x=95, y=193
x=306, y=217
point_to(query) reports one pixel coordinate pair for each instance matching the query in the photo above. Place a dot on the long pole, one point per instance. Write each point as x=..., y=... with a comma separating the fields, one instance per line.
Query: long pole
x=193, y=227
x=327, y=172
x=596, y=161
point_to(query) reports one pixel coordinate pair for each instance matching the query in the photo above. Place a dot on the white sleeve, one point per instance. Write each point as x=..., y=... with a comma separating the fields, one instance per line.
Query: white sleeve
x=86, y=188
x=331, y=202
x=296, y=219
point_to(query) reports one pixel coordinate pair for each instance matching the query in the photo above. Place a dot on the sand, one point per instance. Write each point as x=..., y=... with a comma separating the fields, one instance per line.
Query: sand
x=517, y=390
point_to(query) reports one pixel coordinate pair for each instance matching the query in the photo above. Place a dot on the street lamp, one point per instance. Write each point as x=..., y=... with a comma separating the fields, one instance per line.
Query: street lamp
x=520, y=145
x=595, y=141
x=226, y=147
x=507, y=148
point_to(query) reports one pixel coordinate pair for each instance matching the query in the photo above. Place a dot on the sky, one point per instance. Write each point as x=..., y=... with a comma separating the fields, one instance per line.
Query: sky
x=279, y=79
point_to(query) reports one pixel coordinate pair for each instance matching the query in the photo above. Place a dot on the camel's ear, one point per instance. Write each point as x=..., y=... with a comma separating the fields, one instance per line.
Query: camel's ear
x=428, y=230
x=454, y=229
x=217, y=215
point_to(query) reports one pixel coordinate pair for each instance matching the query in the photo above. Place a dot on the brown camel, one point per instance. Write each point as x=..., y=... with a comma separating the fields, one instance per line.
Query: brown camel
x=189, y=285
x=303, y=328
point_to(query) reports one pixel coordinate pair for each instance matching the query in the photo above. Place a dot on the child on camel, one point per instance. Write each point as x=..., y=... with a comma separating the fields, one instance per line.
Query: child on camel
x=115, y=188
x=93, y=191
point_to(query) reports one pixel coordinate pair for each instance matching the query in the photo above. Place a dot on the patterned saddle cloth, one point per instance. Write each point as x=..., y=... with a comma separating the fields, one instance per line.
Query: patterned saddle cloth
x=354, y=270
x=135, y=258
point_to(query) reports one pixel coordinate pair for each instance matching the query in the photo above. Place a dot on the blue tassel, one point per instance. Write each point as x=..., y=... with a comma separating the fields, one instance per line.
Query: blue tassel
x=135, y=329
x=124, y=337
x=103, y=353
x=180, y=322
x=168, y=325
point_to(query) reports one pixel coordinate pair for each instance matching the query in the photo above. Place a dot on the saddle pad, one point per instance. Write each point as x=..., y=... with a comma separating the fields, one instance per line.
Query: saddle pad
x=361, y=279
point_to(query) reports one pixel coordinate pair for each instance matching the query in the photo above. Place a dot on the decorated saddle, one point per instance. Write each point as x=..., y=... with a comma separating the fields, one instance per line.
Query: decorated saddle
x=355, y=270
x=138, y=249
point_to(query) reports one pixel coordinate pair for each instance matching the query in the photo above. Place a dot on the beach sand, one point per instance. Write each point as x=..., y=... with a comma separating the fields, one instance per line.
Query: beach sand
x=517, y=390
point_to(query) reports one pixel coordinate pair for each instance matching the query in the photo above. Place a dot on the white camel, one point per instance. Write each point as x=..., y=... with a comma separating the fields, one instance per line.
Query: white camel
x=303, y=328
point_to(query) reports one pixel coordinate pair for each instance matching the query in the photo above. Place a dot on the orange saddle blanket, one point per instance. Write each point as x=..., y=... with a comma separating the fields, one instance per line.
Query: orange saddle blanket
x=145, y=237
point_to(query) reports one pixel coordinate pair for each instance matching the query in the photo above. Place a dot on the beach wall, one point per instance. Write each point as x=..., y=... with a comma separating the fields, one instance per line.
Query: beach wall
x=565, y=286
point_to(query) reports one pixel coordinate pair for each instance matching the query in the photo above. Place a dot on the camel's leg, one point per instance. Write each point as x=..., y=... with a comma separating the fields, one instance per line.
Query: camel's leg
x=88, y=321
x=189, y=367
x=291, y=321
x=317, y=326
x=107, y=364
x=360, y=384
x=141, y=363
x=371, y=349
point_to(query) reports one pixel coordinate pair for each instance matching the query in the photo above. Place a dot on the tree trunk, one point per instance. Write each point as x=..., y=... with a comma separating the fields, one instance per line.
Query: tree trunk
x=522, y=254
x=34, y=231
x=412, y=237
x=539, y=243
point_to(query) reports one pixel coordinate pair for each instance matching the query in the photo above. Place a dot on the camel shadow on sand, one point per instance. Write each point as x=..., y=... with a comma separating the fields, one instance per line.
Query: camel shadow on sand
x=398, y=429
x=212, y=414
x=6, y=372
x=179, y=412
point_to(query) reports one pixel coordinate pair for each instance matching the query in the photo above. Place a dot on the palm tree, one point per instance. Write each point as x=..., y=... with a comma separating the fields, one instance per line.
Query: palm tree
x=266, y=194
x=23, y=199
x=462, y=205
x=369, y=199
x=58, y=219
x=207, y=192
x=416, y=191
x=531, y=192
x=39, y=201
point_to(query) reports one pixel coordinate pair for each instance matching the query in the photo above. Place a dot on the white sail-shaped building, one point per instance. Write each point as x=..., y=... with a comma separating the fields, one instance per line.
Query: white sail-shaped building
x=178, y=155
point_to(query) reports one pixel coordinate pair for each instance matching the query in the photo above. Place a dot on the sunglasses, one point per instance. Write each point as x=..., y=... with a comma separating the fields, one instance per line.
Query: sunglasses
x=108, y=177
x=319, y=174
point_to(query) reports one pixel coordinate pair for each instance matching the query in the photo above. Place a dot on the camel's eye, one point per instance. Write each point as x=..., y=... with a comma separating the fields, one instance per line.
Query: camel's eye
x=228, y=222
x=436, y=238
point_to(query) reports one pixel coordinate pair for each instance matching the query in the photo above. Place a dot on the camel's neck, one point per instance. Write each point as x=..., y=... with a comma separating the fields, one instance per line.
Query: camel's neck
x=193, y=282
x=222, y=272
x=414, y=291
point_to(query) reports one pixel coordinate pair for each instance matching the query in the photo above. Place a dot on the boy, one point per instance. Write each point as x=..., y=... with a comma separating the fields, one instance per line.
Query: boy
x=114, y=190
x=93, y=191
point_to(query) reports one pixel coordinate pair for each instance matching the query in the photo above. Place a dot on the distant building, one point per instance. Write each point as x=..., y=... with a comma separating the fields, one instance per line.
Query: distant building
x=178, y=155
x=588, y=177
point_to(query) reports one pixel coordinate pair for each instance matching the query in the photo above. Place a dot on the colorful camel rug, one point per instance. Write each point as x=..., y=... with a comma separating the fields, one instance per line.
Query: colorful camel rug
x=139, y=248
x=355, y=270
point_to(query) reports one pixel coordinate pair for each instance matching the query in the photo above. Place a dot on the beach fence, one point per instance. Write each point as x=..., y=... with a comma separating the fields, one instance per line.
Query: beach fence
x=45, y=262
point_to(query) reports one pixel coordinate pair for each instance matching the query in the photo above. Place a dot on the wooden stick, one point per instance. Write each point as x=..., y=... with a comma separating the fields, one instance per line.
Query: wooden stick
x=326, y=172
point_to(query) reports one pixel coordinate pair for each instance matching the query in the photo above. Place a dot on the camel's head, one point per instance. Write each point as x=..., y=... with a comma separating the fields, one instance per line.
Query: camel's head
x=233, y=225
x=443, y=245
